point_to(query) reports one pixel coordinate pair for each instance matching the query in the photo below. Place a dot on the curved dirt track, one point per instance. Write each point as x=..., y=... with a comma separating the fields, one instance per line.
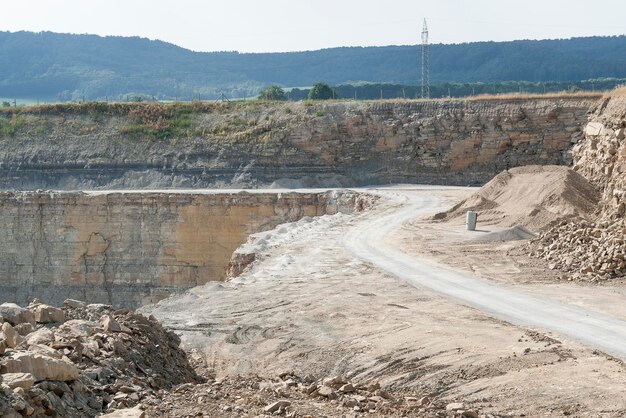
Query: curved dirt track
x=366, y=240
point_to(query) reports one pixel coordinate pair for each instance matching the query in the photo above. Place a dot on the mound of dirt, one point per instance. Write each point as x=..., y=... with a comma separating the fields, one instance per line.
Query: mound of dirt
x=533, y=196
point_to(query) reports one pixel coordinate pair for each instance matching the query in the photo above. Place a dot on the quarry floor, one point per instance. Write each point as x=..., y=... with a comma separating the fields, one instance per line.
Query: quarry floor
x=309, y=304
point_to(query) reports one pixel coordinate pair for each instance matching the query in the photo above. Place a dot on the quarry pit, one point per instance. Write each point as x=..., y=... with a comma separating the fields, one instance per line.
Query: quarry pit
x=356, y=295
x=129, y=249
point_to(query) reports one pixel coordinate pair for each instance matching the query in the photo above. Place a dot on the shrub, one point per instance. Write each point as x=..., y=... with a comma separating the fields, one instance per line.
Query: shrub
x=8, y=127
x=273, y=92
x=321, y=91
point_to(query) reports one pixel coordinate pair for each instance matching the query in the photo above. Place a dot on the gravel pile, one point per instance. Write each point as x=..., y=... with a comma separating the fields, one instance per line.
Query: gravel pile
x=589, y=251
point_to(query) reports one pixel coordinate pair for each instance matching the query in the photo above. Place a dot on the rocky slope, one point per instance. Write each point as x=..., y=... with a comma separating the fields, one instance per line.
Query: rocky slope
x=82, y=360
x=595, y=249
x=292, y=144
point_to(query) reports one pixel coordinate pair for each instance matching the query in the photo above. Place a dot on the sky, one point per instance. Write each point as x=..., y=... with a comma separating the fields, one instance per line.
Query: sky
x=297, y=25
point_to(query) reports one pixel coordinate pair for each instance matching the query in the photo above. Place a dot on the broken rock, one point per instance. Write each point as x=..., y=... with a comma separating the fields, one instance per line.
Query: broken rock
x=110, y=324
x=41, y=336
x=14, y=314
x=12, y=338
x=347, y=388
x=326, y=391
x=24, y=329
x=40, y=366
x=18, y=380
x=455, y=406
x=271, y=408
x=45, y=314
x=75, y=304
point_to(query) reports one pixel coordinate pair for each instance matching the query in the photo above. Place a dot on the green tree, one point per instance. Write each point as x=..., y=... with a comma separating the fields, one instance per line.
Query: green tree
x=273, y=92
x=321, y=91
x=6, y=104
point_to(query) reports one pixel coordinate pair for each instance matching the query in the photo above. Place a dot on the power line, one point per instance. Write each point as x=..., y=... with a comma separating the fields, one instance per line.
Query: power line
x=425, y=75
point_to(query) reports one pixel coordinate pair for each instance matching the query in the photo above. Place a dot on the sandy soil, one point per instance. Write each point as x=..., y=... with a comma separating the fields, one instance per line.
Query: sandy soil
x=308, y=306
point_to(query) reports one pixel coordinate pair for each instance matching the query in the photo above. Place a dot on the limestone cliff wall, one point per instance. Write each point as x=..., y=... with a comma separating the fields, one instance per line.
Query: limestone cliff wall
x=301, y=144
x=134, y=248
x=595, y=249
x=601, y=156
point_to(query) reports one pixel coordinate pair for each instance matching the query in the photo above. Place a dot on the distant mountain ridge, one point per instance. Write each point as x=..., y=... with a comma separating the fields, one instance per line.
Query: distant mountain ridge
x=66, y=66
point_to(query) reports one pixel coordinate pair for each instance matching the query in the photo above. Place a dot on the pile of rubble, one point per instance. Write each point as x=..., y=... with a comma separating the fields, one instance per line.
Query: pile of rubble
x=595, y=250
x=83, y=360
x=290, y=395
x=589, y=251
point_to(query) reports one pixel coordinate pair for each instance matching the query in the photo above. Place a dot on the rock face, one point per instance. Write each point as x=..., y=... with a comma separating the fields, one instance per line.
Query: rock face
x=128, y=249
x=292, y=144
x=601, y=157
x=595, y=249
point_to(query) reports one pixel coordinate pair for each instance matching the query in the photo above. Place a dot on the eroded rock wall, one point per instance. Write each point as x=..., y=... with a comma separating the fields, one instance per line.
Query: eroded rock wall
x=595, y=249
x=134, y=248
x=601, y=157
x=293, y=144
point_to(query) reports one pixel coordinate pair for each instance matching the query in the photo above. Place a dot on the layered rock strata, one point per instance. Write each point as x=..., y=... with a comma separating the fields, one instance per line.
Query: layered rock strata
x=128, y=249
x=291, y=144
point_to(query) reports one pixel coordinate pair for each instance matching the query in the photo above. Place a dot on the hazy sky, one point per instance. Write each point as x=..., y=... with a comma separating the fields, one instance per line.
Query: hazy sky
x=290, y=25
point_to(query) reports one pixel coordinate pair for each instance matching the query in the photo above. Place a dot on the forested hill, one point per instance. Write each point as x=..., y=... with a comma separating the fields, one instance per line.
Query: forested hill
x=63, y=66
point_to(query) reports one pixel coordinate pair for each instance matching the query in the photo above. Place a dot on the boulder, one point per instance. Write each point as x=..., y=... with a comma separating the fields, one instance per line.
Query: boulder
x=24, y=328
x=18, y=380
x=77, y=328
x=74, y=304
x=45, y=350
x=45, y=314
x=42, y=367
x=347, y=388
x=12, y=338
x=14, y=314
x=593, y=129
x=110, y=324
x=326, y=391
x=41, y=336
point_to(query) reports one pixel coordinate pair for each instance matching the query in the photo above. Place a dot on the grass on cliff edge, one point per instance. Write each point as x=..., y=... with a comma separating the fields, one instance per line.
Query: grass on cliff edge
x=152, y=111
x=161, y=121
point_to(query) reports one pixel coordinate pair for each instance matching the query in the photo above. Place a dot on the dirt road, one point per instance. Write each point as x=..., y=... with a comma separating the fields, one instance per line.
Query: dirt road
x=366, y=240
x=309, y=304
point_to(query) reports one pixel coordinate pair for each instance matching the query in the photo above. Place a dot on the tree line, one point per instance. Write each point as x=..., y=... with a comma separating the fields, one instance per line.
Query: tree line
x=393, y=91
x=72, y=67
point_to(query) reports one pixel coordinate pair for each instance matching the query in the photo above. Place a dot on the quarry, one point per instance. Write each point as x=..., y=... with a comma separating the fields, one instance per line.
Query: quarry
x=308, y=259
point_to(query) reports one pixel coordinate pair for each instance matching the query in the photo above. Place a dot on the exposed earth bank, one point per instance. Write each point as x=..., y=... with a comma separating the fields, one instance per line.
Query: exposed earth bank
x=294, y=144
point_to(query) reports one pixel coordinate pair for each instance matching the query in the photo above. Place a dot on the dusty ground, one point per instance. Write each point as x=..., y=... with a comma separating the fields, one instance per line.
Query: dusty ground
x=308, y=306
x=504, y=262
